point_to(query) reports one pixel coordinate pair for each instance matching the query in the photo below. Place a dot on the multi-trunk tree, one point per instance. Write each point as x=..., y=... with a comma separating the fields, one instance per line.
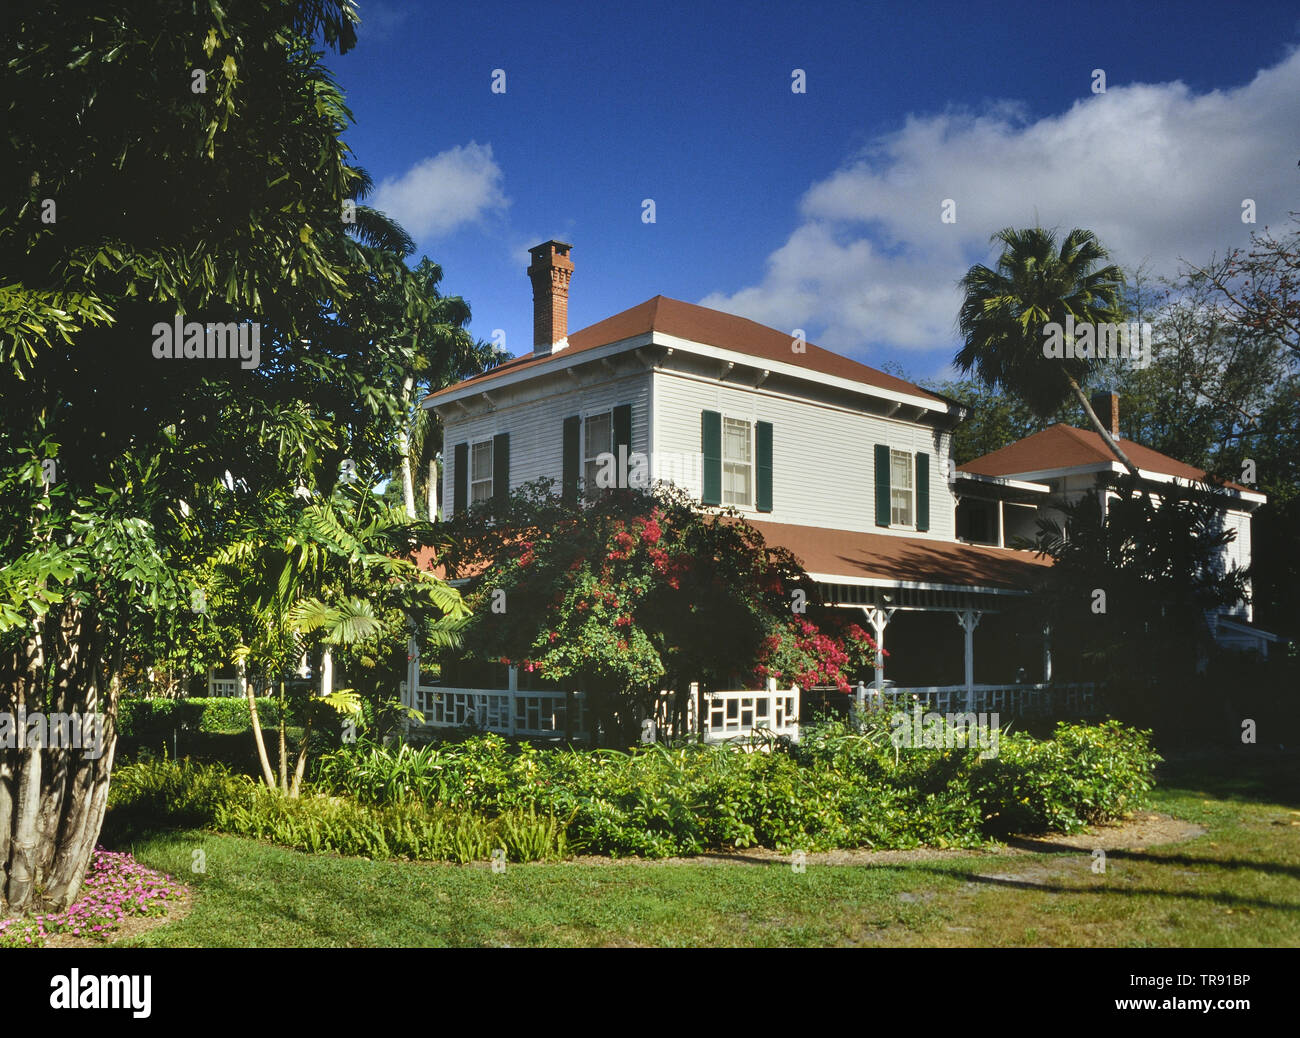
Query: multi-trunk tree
x=165, y=164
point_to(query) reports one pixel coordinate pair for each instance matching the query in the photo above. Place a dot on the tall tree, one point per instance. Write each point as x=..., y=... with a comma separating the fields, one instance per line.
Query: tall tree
x=1006, y=309
x=206, y=178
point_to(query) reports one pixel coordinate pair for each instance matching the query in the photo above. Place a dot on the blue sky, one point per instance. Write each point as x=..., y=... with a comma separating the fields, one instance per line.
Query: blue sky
x=818, y=210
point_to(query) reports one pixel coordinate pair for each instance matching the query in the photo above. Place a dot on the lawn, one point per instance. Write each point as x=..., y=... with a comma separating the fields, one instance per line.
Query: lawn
x=1238, y=885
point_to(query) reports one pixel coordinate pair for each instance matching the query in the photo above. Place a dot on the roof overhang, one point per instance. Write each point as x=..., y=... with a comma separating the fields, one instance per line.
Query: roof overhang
x=997, y=488
x=913, y=585
x=569, y=359
x=1115, y=468
x=563, y=361
x=800, y=372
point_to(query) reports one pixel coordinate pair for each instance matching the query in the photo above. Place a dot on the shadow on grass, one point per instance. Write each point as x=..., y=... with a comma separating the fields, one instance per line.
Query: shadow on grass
x=1216, y=897
x=1044, y=847
x=1248, y=774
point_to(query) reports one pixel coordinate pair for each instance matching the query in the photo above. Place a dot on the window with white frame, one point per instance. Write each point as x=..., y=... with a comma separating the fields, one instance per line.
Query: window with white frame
x=900, y=488
x=597, y=439
x=737, y=462
x=480, y=472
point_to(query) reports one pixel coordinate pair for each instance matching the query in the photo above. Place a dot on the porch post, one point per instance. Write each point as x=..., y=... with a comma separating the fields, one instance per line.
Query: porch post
x=879, y=619
x=969, y=619
x=326, y=672
x=513, y=682
x=1002, y=523
x=1047, y=652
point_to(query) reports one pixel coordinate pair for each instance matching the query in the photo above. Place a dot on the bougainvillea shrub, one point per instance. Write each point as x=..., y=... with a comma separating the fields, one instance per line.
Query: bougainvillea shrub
x=637, y=591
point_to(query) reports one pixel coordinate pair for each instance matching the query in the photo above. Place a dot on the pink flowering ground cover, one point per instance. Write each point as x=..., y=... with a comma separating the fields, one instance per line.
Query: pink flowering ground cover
x=116, y=888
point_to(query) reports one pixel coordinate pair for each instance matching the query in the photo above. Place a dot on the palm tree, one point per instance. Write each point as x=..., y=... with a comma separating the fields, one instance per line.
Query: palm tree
x=336, y=569
x=1006, y=309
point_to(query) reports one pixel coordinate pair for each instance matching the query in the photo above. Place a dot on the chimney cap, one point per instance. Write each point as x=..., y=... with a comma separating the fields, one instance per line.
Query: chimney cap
x=554, y=247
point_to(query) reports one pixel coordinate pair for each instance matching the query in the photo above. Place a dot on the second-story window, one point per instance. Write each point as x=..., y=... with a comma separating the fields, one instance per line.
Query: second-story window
x=480, y=483
x=737, y=462
x=900, y=488
x=598, y=439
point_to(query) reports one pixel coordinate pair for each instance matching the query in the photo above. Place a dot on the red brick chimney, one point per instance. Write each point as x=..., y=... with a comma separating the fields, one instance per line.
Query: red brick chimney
x=1107, y=407
x=550, y=272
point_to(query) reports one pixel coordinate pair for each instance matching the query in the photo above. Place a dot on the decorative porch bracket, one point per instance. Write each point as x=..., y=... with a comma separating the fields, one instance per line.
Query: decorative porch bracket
x=879, y=619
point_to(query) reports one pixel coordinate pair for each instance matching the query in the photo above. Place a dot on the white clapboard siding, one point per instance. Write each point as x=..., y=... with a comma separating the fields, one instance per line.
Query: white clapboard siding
x=823, y=458
x=536, y=428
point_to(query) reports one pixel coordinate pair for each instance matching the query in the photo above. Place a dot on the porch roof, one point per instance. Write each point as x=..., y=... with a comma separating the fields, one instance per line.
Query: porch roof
x=848, y=556
x=852, y=557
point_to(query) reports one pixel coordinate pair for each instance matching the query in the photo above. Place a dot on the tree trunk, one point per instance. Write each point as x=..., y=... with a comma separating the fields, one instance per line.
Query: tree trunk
x=404, y=447
x=301, y=769
x=257, y=732
x=433, y=491
x=52, y=797
x=284, y=752
x=1115, y=448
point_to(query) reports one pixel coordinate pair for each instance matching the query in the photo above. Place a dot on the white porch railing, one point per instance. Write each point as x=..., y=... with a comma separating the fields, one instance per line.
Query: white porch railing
x=728, y=715
x=527, y=712
x=1014, y=700
x=223, y=687
x=740, y=713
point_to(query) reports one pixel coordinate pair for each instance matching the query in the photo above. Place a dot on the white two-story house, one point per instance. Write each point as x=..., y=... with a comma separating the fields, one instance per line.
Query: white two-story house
x=846, y=466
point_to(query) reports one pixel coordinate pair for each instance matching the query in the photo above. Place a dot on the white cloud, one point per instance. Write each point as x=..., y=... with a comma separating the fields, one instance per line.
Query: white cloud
x=442, y=193
x=1157, y=171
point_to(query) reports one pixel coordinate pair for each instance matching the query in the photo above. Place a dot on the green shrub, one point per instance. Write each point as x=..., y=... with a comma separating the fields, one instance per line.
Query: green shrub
x=154, y=720
x=841, y=787
x=1083, y=775
x=190, y=794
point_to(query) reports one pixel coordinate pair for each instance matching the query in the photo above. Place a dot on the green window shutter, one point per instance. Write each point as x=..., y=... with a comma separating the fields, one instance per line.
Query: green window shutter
x=501, y=469
x=460, y=478
x=882, y=485
x=922, y=491
x=622, y=428
x=711, y=448
x=572, y=462
x=764, y=451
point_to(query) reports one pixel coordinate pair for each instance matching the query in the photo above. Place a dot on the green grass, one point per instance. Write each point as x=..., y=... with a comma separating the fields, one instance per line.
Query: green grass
x=1238, y=885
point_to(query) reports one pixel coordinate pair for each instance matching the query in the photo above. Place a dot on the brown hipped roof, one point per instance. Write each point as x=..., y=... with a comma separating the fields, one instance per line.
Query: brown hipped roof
x=1063, y=446
x=890, y=557
x=712, y=327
